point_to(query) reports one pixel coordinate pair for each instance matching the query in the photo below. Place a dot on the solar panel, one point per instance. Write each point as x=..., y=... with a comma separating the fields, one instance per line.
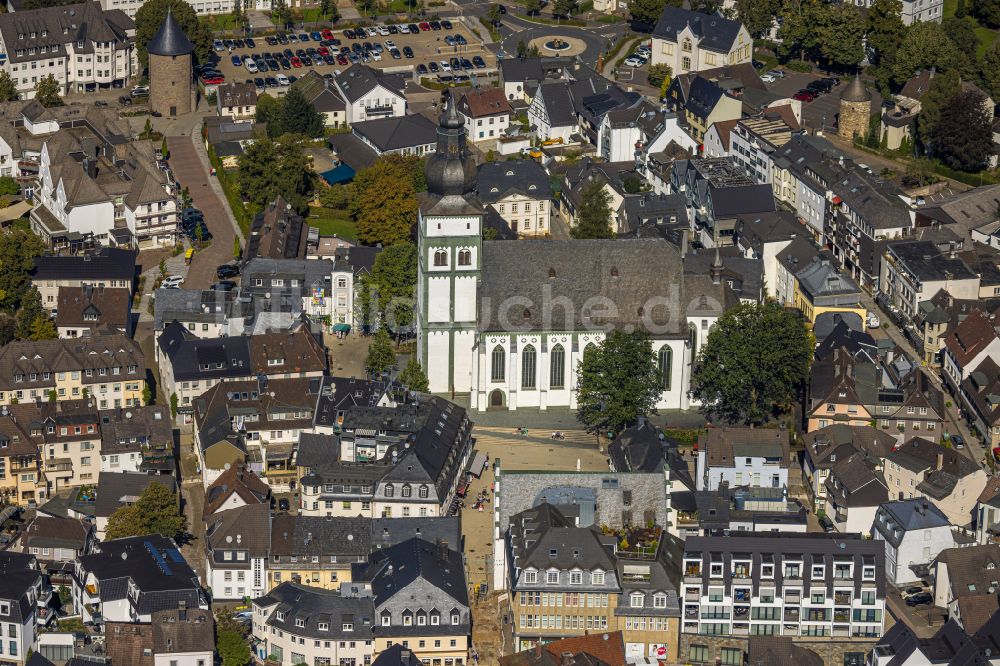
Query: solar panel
x=160, y=562
x=175, y=556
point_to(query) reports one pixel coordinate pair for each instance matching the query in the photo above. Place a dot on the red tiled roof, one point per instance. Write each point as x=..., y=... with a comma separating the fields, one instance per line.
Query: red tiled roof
x=489, y=102
x=970, y=337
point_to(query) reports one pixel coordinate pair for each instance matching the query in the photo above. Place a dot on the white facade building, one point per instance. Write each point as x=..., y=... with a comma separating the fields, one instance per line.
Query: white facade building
x=914, y=532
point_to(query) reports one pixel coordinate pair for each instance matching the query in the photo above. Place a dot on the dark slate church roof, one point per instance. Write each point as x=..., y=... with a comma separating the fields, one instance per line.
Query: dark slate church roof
x=170, y=39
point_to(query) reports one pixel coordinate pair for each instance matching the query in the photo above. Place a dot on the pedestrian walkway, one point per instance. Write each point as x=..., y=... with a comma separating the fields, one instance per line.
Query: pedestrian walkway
x=175, y=266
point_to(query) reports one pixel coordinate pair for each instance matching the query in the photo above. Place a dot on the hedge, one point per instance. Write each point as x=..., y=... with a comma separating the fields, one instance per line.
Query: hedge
x=232, y=191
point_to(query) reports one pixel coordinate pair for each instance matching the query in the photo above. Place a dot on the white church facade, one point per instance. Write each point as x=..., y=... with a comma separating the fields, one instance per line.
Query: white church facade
x=508, y=322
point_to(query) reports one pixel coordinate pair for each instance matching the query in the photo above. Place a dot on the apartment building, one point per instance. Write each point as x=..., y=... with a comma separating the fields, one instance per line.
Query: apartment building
x=84, y=47
x=752, y=141
x=305, y=282
x=826, y=446
x=106, y=267
x=237, y=545
x=811, y=586
x=83, y=311
x=24, y=597
x=370, y=93
x=137, y=439
x=914, y=532
x=691, y=41
x=519, y=191
x=568, y=581
x=754, y=457
x=314, y=551
x=914, y=271
x=109, y=368
x=68, y=436
x=486, y=113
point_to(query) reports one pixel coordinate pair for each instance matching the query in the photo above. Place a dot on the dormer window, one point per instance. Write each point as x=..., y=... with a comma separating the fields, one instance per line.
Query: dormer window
x=348, y=626
x=299, y=622
x=530, y=577
x=323, y=626
x=636, y=599
x=280, y=615
x=597, y=578
x=386, y=619
x=552, y=578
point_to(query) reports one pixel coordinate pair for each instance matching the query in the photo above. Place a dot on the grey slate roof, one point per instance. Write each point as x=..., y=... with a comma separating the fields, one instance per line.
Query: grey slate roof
x=558, y=103
x=640, y=448
x=114, y=487
x=388, y=532
x=391, y=134
x=909, y=515
x=107, y=263
x=395, y=568
x=293, y=602
x=543, y=537
x=211, y=306
x=716, y=33
x=498, y=180
x=200, y=358
x=170, y=39
x=521, y=69
x=357, y=80
x=243, y=528
x=18, y=573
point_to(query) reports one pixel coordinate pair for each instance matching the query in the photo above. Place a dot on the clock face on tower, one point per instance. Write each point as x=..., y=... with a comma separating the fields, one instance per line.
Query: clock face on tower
x=453, y=150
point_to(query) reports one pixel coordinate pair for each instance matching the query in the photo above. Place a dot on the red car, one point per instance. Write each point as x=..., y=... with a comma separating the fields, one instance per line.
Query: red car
x=213, y=80
x=804, y=96
x=323, y=51
x=342, y=60
x=327, y=34
x=296, y=62
x=425, y=26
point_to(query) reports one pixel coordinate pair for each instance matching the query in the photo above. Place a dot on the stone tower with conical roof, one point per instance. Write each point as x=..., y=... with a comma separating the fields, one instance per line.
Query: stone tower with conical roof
x=170, y=69
x=855, y=110
x=449, y=259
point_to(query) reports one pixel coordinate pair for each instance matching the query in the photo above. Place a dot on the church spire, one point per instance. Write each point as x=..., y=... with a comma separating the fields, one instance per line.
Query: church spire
x=450, y=171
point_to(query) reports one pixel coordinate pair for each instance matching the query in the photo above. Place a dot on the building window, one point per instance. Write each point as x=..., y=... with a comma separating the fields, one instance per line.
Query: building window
x=531, y=577
x=464, y=257
x=685, y=63
x=597, y=578
x=636, y=599
x=499, y=364
x=440, y=258
x=528, y=358
x=686, y=46
x=552, y=578
x=557, y=367
x=665, y=360
x=732, y=657
x=698, y=654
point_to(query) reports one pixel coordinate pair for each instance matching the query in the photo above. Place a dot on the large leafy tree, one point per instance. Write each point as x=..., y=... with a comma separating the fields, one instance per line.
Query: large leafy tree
x=943, y=88
x=758, y=15
x=925, y=45
x=231, y=640
x=841, y=35
x=564, y=7
x=647, y=12
x=269, y=168
x=18, y=249
x=885, y=35
x=963, y=136
x=155, y=512
x=987, y=11
x=593, y=218
x=800, y=22
x=8, y=89
x=754, y=364
x=385, y=205
x=298, y=116
x=617, y=382
x=380, y=355
x=394, y=277
x=151, y=15
x=47, y=92
x=413, y=376
x=991, y=69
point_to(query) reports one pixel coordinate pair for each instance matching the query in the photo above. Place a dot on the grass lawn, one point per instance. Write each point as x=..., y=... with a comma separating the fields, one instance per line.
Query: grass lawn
x=330, y=222
x=986, y=36
x=220, y=22
x=950, y=6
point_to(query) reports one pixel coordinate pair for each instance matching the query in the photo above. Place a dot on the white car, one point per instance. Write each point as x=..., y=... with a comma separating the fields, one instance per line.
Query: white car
x=445, y=67
x=172, y=282
x=375, y=55
x=251, y=66
x=389, y=44
x=644, y=50
x=372, y=31
x=384, y=31
x=768, y=78
x=404, y=29
x=632, y=61
x=282, y=80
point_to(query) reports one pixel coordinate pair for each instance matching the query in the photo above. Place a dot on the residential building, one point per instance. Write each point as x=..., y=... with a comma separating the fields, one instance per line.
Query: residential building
x=137, y=439
x=277, y=232
x=204, y=313
x=84, y=47
x=350, y=265
x=487, y=114
x=236, y=487
x=964, y=577
x=915, y=11
x=912, y=272
x=237, y=545
x=106, y=267
x=127, y=580
x=802, y=178
x=521, y=77
x=599, y=649
x=653, y=214
x=566, y=580
x=724, y=511
x=826, y=446
x=708, y=104
x=689, y=41
x=520, y=192
x=754, y=140
x=297, y=624
x=397, y=135
x=315, y=551
x=949, y=645
x=55, y=542
x=551, y=112
x=22, y=482
x=914, y=532
x=303, y=283
x=109, y=368
x=83, y=311
x=821, y=288
x=938, y=316
x=172, y=637
x=638, y=131
x=854, y=491
x=949, y=479
x=237, y=100
x=67, y=434
x=963, y=212
x=117, y=489
x=370, y=93
x=743, y=457
x=808, y=587
x=981, y=393
x=322, y=93
x=24, y=598
x=969, y=344
x=763, y=236
x=988, y=512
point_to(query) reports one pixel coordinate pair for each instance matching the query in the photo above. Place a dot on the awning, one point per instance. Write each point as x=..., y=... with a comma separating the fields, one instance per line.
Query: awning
x=339, y=174
x=341, y=328
x=478, y=464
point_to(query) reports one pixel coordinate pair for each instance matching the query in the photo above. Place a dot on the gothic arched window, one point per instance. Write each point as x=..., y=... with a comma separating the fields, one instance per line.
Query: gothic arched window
x=440, y=258
x=528, y=362
x=498, y=370
x=464, y=257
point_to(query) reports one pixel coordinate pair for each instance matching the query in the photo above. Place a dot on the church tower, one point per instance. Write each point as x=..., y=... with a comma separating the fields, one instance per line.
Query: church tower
x=449, y=256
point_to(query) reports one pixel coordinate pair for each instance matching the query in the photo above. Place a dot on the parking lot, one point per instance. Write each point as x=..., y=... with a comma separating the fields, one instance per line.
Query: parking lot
x=297, y=55
x=823, y=110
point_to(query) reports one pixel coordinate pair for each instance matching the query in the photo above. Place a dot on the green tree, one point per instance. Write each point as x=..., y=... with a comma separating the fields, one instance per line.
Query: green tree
x=238, y=17
x=28, y=313
x=337, y=197
x=800, y=22
x=991, y=69
x=298, y=116
x=494, y=14
x=522, y=48
x=754, y=364
x=233, y=648
x=593, y=218
x=18, y=249
x=173, y=405
x=647, y=12
x=385, y=205
x=942, y=90
x=987, y=11
x=280, y=13
x=150, y=17
x=9, y=187
x=394, y=279
x=47, y=92
x=532, y=6
x=617, y=382
x=147, y=394
x=885, y=35
x=962, y=33
x=841, y=35
x=8, y=89
x=380, y=355
x=963, y=136
x=53, y=396
x=564, y=7
x=925, y=45
x=155, y=512
x=758, y=15
x=269, y=169
x=43, y=328
x=269, y=112
x=658, y=75
x=413, y=376
x=919, y=172
x=237, y=249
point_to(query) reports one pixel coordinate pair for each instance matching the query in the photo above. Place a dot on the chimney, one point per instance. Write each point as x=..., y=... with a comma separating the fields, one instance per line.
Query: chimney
x=940, y=461
x=538, y=650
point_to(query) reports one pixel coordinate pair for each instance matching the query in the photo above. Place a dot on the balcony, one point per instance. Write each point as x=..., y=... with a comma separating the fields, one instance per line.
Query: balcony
x=841, y=616
x=378, y=111
x=58, y=465
x=842, y=598
x=791, y=615
x=741, y=629
x=691, y=612
x=692, y=595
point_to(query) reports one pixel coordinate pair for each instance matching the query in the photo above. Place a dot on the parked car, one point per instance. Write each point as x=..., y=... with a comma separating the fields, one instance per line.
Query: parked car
x=172, y=282
x=768, y=78
x=237, y=61
x=804, y=96
x=479, y=62
x=283, y=504
x=425, y=26
x=421, y=68
x=920, y=599
x=957, y=441
x=283, y=80
x=446, y=25
x=224, y=285
x=911, y=591
x=826, y=524
x=226, y=271
x=433, y=66
x=140, y=91
x=250, y=43
x=251, y=66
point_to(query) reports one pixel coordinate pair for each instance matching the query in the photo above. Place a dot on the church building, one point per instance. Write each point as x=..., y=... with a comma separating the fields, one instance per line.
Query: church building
x=508, y=321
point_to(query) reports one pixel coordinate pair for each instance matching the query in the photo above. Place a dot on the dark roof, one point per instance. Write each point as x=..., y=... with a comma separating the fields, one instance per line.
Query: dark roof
x=908, y=515
x=392, y=134
x=397, y=655
x=853, y=483
x=387, y=532
x=18, y=573
x=716, y=33
x=116, y=489
x=640, y=448
x=521, y=69
x=195, y=358
x=497, y=180
x=352, y=151
x=922, y=454
x=317, y=449
x=180, y=631
x=558, y=103
x=357, y=80
x=543, y=537
x=104, y=264
x=243, y=528
x=55, y=532
x=595, y=649
x=91, y=306
x=780, y=650
x=314, y=606
x=170, y=39
x=393, y=569
x=235, y=480
x=721, y=445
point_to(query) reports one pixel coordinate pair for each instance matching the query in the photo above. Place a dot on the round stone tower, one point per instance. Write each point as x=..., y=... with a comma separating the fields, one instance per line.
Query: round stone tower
x=170, y=68
x=855, y=110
